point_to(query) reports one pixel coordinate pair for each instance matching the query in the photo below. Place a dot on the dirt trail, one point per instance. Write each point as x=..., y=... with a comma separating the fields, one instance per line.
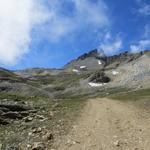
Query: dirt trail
x=109, y=125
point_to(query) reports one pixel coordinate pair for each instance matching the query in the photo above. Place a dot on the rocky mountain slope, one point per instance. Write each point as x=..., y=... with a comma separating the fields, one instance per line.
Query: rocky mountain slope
x=40, y=102
x=91, y=74
x=124, y=70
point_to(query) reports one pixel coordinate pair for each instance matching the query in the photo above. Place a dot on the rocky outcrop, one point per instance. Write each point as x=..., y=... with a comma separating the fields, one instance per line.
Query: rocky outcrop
x=93, y=53
x=124, y=57
x=92, y=58
x=99, y=77
x=12, y=110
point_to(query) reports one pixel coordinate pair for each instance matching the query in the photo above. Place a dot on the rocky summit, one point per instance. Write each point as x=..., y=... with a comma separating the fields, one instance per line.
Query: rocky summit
x=38, y=105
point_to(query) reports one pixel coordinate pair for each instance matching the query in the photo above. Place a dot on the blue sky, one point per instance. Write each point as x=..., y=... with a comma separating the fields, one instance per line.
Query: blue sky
x=43, y=33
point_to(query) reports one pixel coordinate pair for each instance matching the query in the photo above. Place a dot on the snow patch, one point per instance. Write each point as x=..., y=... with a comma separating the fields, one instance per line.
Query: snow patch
x=82, y=67
x=115, y=72
x=75, y=70
x=95, y=84
x=99, y=62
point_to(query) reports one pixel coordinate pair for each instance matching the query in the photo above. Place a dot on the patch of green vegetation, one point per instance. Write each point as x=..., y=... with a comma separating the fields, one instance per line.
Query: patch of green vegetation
x=71, y=96
x=132, y=95
x=139, y=99
x=6, y=73
x=13, y=79
x=72, y=80
x=63, y=79
x=71, y=109
x=12, y=96
x=116, y=90
x=44, y=79
x=59, y=88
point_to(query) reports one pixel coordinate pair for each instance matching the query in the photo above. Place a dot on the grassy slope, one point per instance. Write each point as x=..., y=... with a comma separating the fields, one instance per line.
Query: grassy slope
x=65, y=114
x=139, y=98
x=133, y=95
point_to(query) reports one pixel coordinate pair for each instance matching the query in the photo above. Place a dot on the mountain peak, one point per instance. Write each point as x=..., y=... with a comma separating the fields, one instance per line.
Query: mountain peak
x=92, y=53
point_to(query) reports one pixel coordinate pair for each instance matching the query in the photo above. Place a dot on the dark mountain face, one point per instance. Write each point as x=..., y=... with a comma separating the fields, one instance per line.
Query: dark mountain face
x=99, y=54
x=92, y=60
x=93, y=53
x=123, y=57
x=96, y=59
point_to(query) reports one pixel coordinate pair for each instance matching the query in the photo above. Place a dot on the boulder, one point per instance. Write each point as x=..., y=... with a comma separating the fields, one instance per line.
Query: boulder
x=99, y=77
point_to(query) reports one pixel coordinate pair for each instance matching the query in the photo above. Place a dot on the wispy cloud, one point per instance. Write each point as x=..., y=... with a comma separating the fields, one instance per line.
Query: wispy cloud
x=144, y=42
x=84, y=14
x=111, y=44
x=17, y=19
x=144, y=8
x=140, y=46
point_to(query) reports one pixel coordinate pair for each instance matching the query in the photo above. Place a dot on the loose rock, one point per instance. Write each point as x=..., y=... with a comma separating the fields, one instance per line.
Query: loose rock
x=38, y=146
x=117, y=143
x=49, y=136
x=28, y=119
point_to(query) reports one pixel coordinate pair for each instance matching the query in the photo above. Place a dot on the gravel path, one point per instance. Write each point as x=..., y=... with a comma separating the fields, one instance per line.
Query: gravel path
x=109, y=125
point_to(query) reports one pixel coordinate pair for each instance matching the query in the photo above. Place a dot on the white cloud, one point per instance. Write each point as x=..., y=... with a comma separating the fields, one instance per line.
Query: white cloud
x=143, y=43
x=17, y=19
x=107, y=36
x=111, y=45
x=144, y=8
x=140, y=46
x=84, y=14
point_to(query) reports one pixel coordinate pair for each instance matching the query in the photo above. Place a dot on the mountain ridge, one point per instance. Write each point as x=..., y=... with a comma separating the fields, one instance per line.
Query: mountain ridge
x=78, y=72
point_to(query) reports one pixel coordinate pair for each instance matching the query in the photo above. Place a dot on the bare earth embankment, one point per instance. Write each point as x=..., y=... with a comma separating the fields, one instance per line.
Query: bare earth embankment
x=107, y=124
